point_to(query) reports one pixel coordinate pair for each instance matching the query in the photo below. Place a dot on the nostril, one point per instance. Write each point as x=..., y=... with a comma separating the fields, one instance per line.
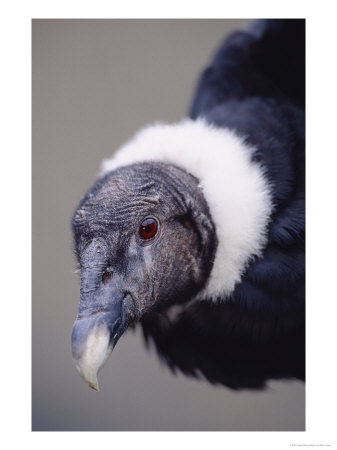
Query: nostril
x=106, y=276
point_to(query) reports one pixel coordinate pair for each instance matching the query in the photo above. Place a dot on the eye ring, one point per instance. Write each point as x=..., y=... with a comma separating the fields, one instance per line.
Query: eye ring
x=148, y=228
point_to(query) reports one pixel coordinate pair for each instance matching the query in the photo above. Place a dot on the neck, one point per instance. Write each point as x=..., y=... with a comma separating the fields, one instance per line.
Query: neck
x=236, y=191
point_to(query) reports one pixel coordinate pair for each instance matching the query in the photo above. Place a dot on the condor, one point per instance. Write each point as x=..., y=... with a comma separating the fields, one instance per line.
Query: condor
x=196, y=229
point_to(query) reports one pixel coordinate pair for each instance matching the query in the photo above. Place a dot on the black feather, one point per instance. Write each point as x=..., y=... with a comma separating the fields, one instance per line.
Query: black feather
x=255, y=85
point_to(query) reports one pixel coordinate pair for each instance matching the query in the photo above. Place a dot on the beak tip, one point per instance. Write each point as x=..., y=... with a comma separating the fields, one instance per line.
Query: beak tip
x=94, y=386
x=90, y=378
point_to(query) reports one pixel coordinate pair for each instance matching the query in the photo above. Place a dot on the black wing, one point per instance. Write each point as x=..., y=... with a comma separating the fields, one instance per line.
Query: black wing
x=266, y=61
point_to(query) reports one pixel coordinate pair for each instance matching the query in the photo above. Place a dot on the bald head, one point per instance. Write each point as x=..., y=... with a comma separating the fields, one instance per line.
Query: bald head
x=144, y=238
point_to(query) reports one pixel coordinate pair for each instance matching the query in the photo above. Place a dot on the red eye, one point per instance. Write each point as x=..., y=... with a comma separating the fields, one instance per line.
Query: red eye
x=148, y=228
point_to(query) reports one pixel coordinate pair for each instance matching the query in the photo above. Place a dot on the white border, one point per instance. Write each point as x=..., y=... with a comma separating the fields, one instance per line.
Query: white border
x=321, y=218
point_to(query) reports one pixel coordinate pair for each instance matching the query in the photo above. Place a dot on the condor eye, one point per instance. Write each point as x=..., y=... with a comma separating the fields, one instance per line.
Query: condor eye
x=148, y=228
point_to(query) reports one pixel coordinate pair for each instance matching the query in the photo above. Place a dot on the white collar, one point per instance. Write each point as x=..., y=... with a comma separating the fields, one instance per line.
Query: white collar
x=235, y=188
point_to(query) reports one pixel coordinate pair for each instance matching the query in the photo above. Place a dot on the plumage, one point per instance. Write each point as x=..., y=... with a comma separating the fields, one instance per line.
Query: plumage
x=220, y=286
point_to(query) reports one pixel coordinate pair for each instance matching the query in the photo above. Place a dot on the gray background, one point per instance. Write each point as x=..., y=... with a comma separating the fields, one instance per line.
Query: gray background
x=96, y=82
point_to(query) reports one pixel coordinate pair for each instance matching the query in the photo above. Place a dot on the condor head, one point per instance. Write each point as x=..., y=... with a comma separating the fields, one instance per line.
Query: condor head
x=144, y=238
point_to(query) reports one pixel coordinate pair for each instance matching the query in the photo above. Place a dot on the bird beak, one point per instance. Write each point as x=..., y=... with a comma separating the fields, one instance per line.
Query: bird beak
x=94, y=335
x=101, y=318
x=92, y=341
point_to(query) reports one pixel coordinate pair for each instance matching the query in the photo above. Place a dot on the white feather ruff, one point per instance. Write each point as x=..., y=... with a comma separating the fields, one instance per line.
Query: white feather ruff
x=235, y=188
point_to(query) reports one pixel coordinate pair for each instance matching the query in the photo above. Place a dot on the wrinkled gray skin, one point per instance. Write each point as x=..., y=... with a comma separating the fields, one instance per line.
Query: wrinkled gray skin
x=124, y=276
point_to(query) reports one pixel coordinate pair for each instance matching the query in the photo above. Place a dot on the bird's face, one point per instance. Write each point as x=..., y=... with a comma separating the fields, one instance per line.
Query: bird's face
x=144, y=238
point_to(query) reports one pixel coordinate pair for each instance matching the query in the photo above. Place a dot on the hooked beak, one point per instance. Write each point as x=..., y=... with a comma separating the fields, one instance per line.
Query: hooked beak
x=92, y=341
x=101, y=318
